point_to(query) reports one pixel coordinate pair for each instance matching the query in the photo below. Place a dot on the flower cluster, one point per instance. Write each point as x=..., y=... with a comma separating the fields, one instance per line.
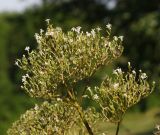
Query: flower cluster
x=47, y=119
x=63, y=59
x=117, y=94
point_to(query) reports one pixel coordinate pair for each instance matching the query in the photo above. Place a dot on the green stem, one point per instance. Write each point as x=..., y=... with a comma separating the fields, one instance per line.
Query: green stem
x=118, y=125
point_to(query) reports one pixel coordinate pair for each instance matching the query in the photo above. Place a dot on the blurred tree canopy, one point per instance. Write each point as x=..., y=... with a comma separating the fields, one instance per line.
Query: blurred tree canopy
x=137, y=20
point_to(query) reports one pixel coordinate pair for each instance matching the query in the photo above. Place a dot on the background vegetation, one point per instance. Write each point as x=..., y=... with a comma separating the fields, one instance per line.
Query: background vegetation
x=137, y=21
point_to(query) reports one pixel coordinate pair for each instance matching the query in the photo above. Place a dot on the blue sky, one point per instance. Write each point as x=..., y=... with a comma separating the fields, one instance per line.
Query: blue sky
x=16, y=5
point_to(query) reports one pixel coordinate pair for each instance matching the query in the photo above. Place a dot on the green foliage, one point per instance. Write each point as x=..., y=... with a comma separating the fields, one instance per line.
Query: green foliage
x=46, y=119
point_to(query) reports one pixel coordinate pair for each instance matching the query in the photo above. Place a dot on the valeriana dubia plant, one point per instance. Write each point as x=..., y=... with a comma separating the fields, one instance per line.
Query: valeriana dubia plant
x=52, y=72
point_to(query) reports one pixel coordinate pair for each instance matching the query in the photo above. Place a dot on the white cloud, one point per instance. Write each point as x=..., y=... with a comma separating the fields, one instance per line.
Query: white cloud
x=16, y=5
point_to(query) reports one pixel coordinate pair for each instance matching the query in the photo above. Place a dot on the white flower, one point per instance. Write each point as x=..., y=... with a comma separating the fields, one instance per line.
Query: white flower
x=31, y=90
x=93, y=32
x=125, y=95
x=98, y=29
x=88, y=34
x=129, y=64
x=24, y=78
x=16, y=63
x=121, y=38
x=157, y=127
x=27, y=48
x=41, y=31
x=73, y=29
x=38, y=37
x=95, y=97
x=117, y=71
x=47, y=20
x=116, y=85
x=59, y=99
x=115, y=38
x=46, y=63
x=108, y=26
x=143, y=76
x=134, y=72
x=27, y=75
x=49, y=33
x=36, y=107
x=77, y=29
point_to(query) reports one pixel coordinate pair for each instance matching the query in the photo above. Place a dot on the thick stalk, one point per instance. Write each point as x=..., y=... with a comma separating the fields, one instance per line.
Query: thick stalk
x=118, y=125
x=85, y=122
x=88, y=127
